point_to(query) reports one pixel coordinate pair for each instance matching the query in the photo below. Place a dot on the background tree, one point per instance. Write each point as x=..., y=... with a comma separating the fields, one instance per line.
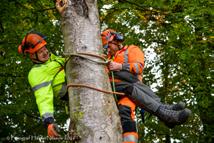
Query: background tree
x=177, y=37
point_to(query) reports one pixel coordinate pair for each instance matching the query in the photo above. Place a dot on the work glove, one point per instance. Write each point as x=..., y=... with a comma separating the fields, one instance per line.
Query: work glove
x=61, y=5
x=53, y=131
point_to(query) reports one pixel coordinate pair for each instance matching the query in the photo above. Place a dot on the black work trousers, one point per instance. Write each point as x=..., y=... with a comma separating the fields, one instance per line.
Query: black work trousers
x=140, y=94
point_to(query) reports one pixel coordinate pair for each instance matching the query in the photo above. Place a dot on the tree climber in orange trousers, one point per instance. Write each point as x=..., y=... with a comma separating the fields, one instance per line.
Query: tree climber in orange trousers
x=127, y=63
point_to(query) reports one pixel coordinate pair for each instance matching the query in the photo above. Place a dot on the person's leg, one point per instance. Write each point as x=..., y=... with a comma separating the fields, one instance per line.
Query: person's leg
x=127, y=114
x=149, y=92
x=142, y=96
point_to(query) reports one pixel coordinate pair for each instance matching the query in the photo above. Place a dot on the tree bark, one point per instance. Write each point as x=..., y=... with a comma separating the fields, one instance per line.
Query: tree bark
x=94, y=115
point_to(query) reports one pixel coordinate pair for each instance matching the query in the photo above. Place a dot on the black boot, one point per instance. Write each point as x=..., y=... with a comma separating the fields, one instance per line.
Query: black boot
x=171, y=117
x=177, y=107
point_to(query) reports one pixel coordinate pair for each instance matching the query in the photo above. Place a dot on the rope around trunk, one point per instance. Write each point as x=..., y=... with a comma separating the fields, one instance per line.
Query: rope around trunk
x=94, y=88
x=83, y=55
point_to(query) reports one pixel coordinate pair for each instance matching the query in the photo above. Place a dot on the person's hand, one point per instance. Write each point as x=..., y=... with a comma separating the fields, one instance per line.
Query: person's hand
x=114, y=66
x=52, y=131
x=61, y=5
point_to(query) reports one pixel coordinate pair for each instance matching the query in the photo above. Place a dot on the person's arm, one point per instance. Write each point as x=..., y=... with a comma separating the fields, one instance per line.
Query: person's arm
x=44, y=99
x=135, y=63
x=41, y=86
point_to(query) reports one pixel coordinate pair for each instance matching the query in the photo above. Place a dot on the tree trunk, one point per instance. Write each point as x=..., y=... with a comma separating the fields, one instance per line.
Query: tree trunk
x=94, y=115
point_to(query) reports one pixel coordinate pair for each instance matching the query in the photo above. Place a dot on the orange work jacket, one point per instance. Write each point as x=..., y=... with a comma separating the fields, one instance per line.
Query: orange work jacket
x=132, y=60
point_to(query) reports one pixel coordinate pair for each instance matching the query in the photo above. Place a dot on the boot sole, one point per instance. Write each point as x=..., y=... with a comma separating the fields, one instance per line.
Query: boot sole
x=186, y=114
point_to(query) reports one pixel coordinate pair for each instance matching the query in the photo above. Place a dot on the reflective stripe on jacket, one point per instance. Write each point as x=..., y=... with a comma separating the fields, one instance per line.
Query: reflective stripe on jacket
x=46, y=81
x=132, y=60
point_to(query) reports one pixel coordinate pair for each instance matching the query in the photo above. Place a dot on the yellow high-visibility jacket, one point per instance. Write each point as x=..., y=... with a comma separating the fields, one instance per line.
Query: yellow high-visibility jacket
x=47, y=80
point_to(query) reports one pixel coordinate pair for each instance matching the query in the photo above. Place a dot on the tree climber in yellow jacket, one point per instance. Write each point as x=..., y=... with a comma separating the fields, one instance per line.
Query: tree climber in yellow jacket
x=127, y=63
x=46, y=77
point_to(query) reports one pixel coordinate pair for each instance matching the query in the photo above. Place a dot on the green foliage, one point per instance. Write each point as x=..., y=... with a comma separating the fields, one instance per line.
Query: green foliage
x=182, y=32
x=19, y=115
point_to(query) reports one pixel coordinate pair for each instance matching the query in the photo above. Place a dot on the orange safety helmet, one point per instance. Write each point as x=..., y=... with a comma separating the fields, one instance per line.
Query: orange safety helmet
x=31, y=43
x=109, y=35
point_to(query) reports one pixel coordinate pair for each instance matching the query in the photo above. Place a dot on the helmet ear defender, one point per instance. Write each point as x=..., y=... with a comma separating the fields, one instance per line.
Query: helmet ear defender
x=118, y=36
x=110, y=35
